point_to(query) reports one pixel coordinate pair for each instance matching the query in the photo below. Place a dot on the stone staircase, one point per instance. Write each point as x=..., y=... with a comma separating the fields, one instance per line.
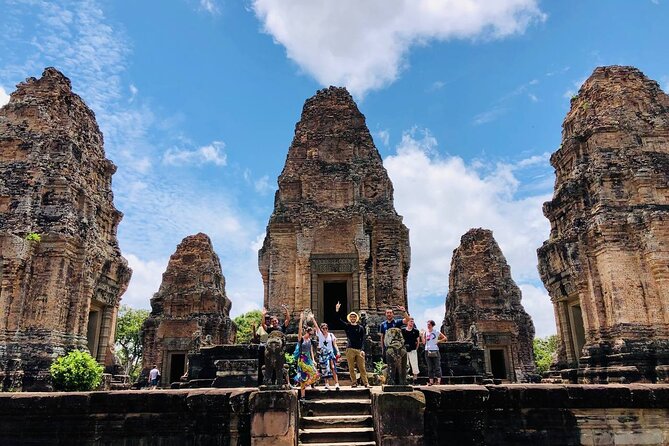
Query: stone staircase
x=342, y=365
x=336, y=418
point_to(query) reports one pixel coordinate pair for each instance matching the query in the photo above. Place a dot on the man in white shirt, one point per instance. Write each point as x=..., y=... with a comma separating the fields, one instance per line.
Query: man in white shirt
x=154, y=377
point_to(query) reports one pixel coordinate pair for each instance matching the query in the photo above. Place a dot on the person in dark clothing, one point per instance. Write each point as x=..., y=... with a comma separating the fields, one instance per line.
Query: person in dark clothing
x=391, y=322
x=274, y=321
x=411, y=340
x=355, y=356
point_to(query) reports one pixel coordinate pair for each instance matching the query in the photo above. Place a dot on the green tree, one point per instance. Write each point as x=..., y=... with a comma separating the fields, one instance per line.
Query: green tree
x=128, y=341
x=76, y=371
x=544, y=348
x=245, y=323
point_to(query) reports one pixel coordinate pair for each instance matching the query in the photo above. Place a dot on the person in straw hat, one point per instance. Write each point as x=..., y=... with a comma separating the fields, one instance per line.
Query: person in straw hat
x=355, y=357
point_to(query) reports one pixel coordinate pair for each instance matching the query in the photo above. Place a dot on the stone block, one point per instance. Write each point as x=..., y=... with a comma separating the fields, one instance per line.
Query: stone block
x=398, y=417
x=274, y=418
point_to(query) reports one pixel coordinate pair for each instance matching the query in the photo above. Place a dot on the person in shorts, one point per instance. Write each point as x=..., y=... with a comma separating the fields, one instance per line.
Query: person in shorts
x=154, y=376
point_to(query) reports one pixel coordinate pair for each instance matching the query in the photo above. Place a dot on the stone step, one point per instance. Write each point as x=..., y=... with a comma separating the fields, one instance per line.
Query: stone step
x=346, y=435
x=347, y=421
x=325, y=407
x=344, y=392
x=340, y=443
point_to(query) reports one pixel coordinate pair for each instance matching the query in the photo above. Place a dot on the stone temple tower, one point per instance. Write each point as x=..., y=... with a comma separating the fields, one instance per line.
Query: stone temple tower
x=481, y=291
x=189, y=310
x=334, y=235
x=62, y=292
x=606, y=263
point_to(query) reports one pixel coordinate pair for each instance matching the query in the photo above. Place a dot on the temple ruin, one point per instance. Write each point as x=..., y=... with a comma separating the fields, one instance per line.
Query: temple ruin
x=483, y=306
x=334, y=234
x=189, y=310
x=605, y=263
x=61, y=270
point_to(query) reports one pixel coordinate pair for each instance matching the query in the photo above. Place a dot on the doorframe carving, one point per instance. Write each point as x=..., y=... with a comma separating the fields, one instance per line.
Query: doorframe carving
x=326, y=267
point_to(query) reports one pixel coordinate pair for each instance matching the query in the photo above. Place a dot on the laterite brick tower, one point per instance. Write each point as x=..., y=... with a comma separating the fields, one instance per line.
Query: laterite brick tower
x=334, y=234
x=606, y=263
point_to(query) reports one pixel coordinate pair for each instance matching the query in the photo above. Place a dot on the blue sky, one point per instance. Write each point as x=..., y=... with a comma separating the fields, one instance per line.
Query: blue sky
x=198, y=100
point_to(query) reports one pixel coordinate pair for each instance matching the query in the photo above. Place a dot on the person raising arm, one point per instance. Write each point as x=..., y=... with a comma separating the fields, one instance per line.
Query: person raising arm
x=355, y=335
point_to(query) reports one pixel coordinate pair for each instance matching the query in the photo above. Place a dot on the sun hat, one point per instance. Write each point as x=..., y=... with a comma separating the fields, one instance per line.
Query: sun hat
x=352, y=313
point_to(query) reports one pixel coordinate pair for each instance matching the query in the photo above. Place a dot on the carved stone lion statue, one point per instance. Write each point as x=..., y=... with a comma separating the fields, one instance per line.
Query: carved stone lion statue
x=396, y=357
x=274, y=374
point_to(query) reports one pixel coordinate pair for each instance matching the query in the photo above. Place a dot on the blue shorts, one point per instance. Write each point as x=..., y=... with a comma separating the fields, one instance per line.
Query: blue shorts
x=154, y=382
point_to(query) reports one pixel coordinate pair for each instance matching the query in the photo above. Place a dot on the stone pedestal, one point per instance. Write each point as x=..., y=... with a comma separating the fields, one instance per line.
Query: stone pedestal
x=225, y=366
x=398, y=417
x=459, y=359
x=274, y=418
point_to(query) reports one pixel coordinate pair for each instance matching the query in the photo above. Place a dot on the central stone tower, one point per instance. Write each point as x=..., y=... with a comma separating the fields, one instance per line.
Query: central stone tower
x=334, y=235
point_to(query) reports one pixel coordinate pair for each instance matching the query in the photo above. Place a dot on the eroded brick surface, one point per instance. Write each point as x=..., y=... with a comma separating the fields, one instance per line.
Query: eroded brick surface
x=605, y=264
x=189, y=310
x=482, y=292
x=334, y=216
x=63, y=292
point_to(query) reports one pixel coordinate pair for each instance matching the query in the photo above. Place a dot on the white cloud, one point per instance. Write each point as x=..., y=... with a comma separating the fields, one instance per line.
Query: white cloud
x=364, y=45
x=146, y=278
x=533, y=160
x=437, y=85
x=262, y=186
x=210, y=154
x=210, y=6
x=538, y=304
x=4, y=97
x=501, y=106
x=133, y=92
x=160, y=208
x=489, y=115
x=384, y=136
x=441, y=198
x=573, y=90
x=556, y=72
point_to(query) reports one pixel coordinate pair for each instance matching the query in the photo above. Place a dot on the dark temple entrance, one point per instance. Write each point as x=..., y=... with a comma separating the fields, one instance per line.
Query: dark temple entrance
x=333, y=292
x=177, y=367
x=497, y=364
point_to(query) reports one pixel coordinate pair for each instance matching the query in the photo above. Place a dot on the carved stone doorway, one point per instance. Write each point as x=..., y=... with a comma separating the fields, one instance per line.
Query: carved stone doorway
x=334, y=277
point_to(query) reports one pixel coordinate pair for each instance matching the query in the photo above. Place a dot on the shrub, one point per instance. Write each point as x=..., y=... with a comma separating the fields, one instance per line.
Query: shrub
x=76, y=371
x=292, y=365
x=34, y=237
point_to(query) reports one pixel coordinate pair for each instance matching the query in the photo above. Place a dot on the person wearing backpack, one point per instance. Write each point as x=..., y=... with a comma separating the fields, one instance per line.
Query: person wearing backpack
x=329, y=354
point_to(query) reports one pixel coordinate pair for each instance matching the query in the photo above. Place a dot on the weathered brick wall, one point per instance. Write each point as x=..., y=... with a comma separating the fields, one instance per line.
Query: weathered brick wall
x=605, y=262
x=547, y=414
x=454, y=415
x=55, y=181
x=165, y=418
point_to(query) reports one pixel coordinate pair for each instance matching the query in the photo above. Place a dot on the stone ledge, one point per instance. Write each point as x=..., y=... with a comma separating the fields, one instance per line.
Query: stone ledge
x=574, y=396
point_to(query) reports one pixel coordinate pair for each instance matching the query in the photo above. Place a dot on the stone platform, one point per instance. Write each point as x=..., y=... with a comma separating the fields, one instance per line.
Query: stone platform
x=516, y=414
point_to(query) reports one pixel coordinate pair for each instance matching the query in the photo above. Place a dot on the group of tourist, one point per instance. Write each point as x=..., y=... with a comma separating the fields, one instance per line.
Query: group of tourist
x=310, y=368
